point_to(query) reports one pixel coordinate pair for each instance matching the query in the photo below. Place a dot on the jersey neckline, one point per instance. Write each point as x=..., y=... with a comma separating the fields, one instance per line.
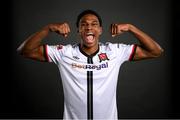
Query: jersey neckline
x=89, y=56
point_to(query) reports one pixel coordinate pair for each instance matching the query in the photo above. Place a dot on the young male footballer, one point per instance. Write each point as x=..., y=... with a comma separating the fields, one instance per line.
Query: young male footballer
x=89, y=69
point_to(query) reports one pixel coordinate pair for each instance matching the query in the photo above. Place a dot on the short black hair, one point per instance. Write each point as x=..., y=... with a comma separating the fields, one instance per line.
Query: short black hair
x=85, y=12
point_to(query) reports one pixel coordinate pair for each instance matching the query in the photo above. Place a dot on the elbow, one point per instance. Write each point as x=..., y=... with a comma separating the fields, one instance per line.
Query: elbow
x=22, y=52
x=19, y=50
x=162, y=51
x=158, y=52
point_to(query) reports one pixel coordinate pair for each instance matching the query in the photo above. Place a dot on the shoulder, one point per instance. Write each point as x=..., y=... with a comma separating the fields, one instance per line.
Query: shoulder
x=109, y=45
x=61, y=47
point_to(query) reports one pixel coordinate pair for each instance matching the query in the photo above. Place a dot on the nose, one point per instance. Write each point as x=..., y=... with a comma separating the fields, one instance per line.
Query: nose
x=88, y=27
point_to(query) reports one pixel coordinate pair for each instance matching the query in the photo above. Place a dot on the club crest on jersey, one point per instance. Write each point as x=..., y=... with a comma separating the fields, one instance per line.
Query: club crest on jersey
x=59, y=47
x=103, y=57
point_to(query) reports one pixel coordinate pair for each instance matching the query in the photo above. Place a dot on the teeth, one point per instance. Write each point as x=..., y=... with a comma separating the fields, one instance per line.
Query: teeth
x=90, y=33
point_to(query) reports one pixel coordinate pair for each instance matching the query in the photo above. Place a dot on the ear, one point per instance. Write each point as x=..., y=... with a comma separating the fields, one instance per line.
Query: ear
x=78, y=31
x=100, y=30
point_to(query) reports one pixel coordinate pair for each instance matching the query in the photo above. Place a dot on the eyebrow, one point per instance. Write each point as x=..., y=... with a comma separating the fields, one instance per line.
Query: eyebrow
x=94, y=21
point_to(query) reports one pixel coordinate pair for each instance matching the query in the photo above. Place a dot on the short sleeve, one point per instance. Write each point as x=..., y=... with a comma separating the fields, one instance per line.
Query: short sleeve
x=125, y=52
x=53, y=53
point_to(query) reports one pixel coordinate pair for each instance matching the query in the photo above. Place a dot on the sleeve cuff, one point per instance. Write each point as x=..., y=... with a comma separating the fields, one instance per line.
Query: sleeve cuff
x=46, y=53
x=133, y=51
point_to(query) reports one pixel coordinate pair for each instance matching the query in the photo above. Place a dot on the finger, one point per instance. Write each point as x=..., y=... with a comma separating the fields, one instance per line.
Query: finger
x=63, y=30
x=68, y=28
x=114, y=29
x=111, y=29
x=65, y=35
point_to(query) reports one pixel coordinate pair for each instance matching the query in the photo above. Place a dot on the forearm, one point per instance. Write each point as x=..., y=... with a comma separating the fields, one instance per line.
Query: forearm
x=146, y=42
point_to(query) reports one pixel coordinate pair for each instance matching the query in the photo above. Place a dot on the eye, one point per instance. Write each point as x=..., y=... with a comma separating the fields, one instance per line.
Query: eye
x=95, y=24
x=83, y=24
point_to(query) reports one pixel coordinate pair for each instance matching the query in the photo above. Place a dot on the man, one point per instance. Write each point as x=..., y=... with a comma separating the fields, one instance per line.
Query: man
x=89, y=70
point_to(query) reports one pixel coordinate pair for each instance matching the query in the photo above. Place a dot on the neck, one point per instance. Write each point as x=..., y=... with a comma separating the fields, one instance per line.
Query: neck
x=89, y=50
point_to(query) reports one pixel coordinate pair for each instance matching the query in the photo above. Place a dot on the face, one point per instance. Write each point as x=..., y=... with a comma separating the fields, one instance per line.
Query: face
x=89, y=30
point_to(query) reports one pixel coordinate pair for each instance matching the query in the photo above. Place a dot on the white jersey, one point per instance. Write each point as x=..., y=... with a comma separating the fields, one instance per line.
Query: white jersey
x=90, y=81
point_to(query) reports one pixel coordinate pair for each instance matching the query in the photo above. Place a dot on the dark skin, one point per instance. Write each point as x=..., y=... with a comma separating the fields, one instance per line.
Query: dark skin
x=32, y=47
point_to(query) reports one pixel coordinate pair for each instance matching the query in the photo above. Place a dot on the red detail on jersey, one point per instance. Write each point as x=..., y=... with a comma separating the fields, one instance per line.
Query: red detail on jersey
x=46, y=53
x=132, y=52
x=59, y=47
x=103, y=57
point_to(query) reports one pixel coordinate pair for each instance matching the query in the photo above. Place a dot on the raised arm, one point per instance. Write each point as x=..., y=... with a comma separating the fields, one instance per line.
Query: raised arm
x=148, y=48
x=33, y=48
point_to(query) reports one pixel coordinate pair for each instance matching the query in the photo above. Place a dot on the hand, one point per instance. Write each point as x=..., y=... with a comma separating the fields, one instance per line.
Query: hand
x=117, y=29
x=60, y=28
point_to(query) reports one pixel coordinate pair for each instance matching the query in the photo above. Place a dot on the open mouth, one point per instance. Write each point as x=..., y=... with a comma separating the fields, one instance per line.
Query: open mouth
x=89, y=37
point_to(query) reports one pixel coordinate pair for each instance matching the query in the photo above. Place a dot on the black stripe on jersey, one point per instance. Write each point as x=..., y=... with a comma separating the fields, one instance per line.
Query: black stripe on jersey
x=118, y=45
x=90, y=94
x=90, y=90
x=89, y=83
x=90, y=61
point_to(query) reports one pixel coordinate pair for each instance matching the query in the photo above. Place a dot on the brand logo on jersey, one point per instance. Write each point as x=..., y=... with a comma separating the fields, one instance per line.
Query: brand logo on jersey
x=97, y=67
x=75, y=57
x=103, y=57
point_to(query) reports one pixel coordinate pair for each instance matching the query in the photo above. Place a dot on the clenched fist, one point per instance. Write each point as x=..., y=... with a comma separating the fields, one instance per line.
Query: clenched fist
x=60, y=28
x=117, y=29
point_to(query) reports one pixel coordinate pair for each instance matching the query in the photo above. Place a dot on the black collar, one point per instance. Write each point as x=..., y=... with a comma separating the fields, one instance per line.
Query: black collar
x=92, y=55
